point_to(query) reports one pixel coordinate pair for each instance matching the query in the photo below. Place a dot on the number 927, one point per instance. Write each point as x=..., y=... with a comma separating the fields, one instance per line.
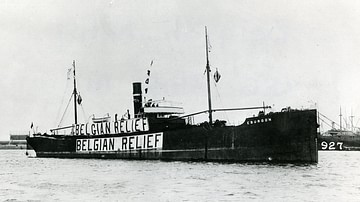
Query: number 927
x=332, y=145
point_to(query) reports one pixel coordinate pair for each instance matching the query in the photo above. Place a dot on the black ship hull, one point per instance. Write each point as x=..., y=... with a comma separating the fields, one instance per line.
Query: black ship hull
x=275, y=137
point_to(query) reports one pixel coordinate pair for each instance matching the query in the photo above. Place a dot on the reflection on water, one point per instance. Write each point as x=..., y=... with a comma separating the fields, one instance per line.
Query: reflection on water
x=335, y=178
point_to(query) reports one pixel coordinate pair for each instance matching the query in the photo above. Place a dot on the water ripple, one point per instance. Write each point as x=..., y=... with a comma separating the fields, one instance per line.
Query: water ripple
x=335, y=178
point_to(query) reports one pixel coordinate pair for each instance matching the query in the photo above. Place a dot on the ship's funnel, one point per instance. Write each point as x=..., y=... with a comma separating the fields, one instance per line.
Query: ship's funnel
x=137, y=94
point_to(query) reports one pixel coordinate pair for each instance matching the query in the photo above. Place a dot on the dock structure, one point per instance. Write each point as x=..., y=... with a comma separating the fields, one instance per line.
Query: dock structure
x=17, y=140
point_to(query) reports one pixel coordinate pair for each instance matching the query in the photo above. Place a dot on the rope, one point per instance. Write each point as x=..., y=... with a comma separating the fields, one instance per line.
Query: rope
x=218, y=95
x=66, y=109
x=84, y=113
x=62, y=102
x=327, y=119
x=323, y=121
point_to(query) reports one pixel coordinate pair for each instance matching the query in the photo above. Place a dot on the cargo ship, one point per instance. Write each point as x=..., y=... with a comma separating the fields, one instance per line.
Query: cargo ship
x=159, y=130
x=338, y=138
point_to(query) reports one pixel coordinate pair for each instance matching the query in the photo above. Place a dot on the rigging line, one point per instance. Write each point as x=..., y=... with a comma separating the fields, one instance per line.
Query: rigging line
x=62, y=102
x=328, y=119
x=65, y=110
x=323, y=121
x=221, y=102
x=83, y=112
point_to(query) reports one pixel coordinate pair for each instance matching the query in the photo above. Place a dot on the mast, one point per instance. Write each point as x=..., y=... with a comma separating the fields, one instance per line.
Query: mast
x=208, y=76
x=340, y=121
x=75, y=94
x=352, y=121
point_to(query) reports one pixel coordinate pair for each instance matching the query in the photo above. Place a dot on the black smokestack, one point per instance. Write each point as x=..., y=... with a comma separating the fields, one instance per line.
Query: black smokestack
x=137, y=94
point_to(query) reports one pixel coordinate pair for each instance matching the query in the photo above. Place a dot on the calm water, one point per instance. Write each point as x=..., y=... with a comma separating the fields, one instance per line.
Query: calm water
x=335, y=178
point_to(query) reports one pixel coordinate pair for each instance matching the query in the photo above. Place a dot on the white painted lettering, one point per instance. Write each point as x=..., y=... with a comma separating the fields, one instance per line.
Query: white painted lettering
x=126, y=143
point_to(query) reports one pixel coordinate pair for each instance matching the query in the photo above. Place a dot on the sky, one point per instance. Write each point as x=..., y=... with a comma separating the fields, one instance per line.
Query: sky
x=303, y=54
